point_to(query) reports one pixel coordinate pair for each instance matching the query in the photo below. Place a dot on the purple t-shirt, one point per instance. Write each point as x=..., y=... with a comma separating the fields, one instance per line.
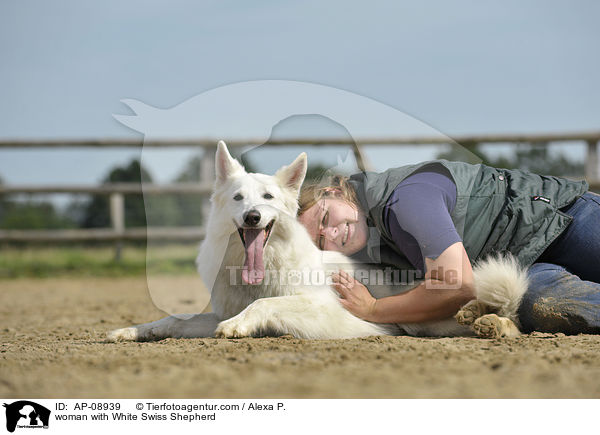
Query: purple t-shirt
x=417, y=214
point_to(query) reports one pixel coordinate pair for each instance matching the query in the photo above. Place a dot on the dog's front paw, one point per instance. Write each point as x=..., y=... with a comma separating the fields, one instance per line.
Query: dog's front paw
x=470, y=312
x=232, y=328
x=492, y=326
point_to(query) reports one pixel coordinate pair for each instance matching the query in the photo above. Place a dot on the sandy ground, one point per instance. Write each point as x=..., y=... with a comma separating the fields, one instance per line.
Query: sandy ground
x=52, y=333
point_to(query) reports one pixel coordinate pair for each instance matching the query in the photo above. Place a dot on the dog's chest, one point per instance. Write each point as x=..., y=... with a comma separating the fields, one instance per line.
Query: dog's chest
x=231, y=294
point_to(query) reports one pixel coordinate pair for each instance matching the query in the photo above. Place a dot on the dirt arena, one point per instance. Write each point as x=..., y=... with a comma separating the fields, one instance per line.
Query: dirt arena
x=52, y=346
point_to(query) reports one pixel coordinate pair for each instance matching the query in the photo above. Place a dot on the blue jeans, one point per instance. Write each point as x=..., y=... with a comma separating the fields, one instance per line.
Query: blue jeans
x=564, y=288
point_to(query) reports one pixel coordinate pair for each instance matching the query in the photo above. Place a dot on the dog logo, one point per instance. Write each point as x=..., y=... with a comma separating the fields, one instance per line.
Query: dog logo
x=26, y=414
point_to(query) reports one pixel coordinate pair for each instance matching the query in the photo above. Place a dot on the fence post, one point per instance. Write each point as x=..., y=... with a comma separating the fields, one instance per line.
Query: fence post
x=117, y=218
x=591, y=162
x=207, y=175
x=361, y=160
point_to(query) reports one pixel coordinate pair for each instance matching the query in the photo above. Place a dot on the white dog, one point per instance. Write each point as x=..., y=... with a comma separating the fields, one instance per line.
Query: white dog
x=267, y=277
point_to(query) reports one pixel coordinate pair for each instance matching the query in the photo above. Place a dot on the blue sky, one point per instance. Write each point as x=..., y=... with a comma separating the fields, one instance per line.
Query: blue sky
x=460, y=67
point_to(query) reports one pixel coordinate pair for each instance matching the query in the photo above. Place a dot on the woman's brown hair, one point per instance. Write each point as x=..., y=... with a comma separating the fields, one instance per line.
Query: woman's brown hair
x=332, y=186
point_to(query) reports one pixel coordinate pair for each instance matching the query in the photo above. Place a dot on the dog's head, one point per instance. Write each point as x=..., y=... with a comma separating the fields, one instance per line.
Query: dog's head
x=254, y=203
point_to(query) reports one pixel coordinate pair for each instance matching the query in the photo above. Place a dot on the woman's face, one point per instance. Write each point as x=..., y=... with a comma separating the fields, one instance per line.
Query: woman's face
x=335, y=225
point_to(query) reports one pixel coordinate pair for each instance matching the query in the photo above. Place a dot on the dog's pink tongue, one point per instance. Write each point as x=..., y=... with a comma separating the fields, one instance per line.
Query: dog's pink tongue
x=254, y=269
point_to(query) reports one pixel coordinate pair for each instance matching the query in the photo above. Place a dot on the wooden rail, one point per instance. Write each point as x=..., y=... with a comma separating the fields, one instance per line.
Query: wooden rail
x=117, y=191
x=110, y=188
x=593, y=136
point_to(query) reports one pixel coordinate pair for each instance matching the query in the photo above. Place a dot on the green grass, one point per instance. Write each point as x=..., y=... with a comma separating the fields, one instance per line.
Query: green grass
x=42, y=262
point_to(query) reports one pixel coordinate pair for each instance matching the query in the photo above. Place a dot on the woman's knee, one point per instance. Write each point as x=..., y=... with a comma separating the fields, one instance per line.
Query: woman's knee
x=558, y=301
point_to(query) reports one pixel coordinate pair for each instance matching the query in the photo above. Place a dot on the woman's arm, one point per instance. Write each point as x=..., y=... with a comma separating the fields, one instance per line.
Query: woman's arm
x=448, y=286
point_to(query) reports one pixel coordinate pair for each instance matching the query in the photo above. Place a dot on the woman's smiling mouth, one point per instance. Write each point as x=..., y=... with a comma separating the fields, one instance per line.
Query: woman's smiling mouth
x=346, y=234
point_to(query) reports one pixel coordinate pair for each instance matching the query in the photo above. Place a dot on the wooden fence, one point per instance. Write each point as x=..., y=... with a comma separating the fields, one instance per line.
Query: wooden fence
x=117, y=191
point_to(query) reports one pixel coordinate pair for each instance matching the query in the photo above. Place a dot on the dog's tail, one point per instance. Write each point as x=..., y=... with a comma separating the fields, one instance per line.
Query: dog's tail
x=500, y=283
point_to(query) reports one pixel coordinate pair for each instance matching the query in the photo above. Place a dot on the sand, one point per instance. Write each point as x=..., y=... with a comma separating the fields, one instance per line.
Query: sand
x=52, y=346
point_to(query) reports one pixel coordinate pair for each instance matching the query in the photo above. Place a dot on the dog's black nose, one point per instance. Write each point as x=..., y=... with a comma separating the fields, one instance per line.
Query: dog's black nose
x=252, y=218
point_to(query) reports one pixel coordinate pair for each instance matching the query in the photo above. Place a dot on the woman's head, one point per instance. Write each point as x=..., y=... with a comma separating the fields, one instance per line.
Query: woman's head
x=330, y=213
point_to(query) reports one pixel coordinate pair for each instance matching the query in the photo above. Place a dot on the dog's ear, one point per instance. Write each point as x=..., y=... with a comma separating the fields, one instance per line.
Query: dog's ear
x=293, y=175
x=225, y=165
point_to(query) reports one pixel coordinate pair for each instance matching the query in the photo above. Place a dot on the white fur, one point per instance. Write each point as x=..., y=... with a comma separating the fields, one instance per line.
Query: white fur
x=501, y=283
x=306, y=309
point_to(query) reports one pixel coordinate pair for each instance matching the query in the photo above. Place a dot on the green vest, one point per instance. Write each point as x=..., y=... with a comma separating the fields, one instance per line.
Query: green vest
x=497, y=210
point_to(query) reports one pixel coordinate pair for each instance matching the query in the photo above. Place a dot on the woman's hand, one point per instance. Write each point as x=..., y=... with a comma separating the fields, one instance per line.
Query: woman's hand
x=354, y=296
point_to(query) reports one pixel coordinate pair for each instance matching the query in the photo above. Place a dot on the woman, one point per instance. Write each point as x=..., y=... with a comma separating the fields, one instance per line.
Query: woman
x=438, y=217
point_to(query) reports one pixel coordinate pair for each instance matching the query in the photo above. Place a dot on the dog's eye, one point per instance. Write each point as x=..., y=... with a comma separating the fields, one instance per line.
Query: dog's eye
x=238, y=197
x=268, y=196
